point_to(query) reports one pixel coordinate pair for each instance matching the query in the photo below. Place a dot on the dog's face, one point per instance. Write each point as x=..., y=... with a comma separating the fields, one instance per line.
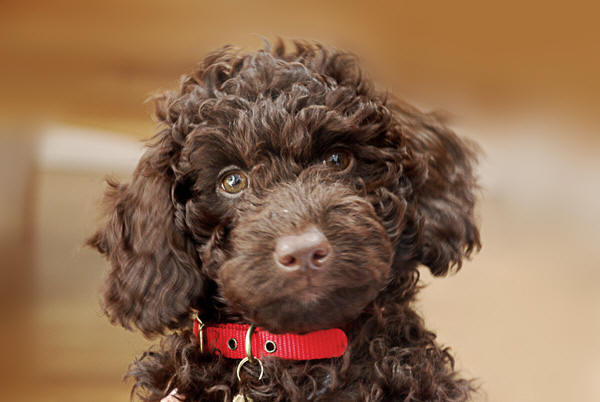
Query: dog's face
x=303, y=249
x=283, y=191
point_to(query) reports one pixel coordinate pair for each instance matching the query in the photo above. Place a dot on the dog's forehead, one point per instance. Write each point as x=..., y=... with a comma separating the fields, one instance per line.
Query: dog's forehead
x=269, y=108
x=267, y=131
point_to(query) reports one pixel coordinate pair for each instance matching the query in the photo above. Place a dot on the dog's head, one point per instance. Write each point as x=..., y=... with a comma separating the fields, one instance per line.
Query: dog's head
x=285, y=191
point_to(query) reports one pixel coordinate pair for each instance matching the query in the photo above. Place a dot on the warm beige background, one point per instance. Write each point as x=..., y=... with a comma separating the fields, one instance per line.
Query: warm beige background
x=522, y=78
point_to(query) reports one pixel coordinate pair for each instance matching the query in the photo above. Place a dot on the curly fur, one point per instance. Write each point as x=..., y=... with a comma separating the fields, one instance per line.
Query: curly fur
x=175, y=243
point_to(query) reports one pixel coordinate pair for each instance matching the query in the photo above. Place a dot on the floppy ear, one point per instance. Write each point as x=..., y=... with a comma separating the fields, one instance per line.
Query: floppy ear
x=443, y=193
x=154, y=277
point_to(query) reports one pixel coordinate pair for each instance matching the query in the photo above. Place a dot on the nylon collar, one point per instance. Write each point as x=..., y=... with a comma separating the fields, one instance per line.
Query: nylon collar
x=229, y=340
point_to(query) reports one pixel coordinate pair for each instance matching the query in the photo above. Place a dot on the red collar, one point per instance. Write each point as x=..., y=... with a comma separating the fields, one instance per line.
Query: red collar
x=324, y=344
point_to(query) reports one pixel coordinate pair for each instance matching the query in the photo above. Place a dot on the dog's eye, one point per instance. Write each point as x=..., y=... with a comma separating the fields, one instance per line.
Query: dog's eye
x=339, y=159
x=234, y=182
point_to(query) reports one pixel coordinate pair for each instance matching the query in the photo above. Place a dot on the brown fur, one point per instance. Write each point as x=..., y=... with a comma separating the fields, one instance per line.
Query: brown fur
x=177, y=243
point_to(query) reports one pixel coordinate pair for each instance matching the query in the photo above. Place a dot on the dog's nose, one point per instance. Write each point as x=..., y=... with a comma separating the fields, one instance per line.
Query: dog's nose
x=307, y=250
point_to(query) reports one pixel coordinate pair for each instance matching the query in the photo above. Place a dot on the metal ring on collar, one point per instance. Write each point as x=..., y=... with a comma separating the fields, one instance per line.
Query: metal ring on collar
x=244, y=361
x=249, y=358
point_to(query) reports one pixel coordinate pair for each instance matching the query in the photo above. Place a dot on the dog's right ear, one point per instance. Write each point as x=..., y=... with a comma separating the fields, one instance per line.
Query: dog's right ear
x=155, y=275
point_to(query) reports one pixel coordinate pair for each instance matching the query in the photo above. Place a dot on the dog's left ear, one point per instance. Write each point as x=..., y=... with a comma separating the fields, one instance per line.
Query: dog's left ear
x=444, y=188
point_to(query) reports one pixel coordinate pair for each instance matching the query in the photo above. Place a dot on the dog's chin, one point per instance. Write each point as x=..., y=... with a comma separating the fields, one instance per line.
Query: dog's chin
x=306, y=311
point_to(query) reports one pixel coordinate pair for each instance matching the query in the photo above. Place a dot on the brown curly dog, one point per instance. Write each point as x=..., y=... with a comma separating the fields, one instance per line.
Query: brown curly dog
x=281, y=215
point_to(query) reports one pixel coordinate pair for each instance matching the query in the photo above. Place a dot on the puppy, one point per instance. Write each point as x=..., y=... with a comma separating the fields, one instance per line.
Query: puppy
x=273, y=230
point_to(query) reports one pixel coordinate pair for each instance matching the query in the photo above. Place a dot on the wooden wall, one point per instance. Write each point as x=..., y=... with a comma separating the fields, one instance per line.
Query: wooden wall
x=95, y=62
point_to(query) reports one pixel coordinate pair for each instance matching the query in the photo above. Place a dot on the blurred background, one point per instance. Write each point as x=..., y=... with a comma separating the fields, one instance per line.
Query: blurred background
x=521, y=78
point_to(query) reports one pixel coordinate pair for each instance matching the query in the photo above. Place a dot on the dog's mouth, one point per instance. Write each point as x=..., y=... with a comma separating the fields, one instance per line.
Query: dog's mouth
x=300, y=313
